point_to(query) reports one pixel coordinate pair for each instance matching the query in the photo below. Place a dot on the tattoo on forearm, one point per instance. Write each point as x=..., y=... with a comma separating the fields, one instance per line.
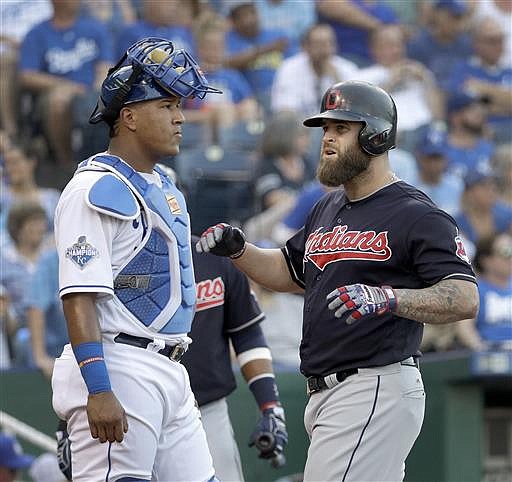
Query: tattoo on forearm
x=445, y=302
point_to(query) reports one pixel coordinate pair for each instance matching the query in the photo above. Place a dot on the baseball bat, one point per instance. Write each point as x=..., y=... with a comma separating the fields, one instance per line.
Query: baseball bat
x=265, y=443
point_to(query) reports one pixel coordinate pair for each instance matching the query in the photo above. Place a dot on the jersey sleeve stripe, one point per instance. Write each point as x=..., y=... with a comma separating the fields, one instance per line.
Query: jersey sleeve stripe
x=462, y=276
x=86, y=289
x=291, y=268
x=260, y=317
x=260, y=353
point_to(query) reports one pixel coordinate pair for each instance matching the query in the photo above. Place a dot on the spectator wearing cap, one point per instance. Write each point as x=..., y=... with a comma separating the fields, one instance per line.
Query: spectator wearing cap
x=443, y=187
x=481, y=214
x=255, y=50
x=468, y=146
x=492, y=329
x=444, y=40
x=483, y=76
x=12, y=458
x=354, y=22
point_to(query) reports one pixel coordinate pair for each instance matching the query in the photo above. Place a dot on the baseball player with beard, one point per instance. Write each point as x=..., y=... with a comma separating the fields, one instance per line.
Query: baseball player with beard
x=376, y=261
x=127, y=284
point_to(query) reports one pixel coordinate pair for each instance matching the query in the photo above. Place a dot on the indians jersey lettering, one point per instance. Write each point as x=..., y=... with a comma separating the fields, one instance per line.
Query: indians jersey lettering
x=210, y=293
x=340, y=243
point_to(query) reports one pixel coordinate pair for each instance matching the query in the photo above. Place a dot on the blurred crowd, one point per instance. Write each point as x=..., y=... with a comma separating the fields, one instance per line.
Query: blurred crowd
x=245, y=157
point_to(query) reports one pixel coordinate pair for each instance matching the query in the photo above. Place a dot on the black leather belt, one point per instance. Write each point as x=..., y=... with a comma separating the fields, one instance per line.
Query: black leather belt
x=173, y=352
x=316, y=384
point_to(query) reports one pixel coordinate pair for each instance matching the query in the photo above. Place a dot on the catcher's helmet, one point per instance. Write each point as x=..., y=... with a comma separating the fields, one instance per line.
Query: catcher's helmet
x=152, y=69
x=361, y=102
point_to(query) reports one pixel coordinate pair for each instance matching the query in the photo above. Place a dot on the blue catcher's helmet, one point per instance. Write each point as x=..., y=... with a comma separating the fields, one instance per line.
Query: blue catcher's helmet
x=153, y=69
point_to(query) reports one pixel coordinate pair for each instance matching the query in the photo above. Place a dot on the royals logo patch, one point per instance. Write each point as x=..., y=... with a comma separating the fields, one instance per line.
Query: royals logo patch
x=82, y=252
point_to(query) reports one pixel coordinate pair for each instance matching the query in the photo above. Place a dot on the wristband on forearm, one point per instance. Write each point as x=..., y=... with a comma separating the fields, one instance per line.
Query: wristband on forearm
x=264, y=389
x=391, y=296
x=91, y=362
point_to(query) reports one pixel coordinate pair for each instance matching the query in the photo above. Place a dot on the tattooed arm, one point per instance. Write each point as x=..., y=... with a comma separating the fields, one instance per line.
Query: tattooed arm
x=447, y=301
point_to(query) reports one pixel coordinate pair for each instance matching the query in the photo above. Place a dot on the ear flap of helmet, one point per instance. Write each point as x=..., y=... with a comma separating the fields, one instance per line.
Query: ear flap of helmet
x=377, y=136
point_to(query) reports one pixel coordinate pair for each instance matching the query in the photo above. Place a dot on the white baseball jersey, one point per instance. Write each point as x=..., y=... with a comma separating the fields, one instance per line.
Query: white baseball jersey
x=93, y=248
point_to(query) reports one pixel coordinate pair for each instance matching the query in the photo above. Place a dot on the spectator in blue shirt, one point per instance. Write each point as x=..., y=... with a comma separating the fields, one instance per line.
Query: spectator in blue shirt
x=444, y=41
x=291, y=17
x=256, y=51
x=236, y=106
x=443, y=187
x=354, y=21
x=19, y=170
x=492, y=329
x=482, y=215
x=27, y=226
x=61, y=58
x=467, y=146
x=48, y=332
x=483, y=76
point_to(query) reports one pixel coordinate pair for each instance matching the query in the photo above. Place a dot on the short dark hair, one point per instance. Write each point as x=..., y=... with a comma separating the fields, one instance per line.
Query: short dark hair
x=19, y=214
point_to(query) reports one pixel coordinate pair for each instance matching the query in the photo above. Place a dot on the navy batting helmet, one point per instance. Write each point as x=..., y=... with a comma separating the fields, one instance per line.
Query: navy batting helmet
x=153, y=69
x=356, y=101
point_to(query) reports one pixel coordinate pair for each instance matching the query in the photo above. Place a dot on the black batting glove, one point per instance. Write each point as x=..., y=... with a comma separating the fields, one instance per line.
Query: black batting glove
x=270, y=436
x=222, y=240
x=360, y=300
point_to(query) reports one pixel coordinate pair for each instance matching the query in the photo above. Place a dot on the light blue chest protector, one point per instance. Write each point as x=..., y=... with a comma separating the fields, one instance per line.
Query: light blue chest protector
x=156, y=284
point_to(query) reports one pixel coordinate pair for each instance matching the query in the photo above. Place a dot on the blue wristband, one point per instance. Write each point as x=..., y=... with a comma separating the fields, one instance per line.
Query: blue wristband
x=265, y=392
x=92, y=365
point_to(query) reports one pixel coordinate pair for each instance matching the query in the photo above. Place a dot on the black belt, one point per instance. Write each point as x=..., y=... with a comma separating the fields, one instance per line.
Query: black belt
x=316, y=384
x=174, y=352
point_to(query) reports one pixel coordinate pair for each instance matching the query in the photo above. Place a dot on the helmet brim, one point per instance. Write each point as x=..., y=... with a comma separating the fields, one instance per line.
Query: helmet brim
x=334, y=114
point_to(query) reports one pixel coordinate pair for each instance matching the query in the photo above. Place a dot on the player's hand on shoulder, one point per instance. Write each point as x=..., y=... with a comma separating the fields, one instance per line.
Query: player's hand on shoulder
x=355, y=301
x=270, y=436
x=222, y=240
x=107, y=418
